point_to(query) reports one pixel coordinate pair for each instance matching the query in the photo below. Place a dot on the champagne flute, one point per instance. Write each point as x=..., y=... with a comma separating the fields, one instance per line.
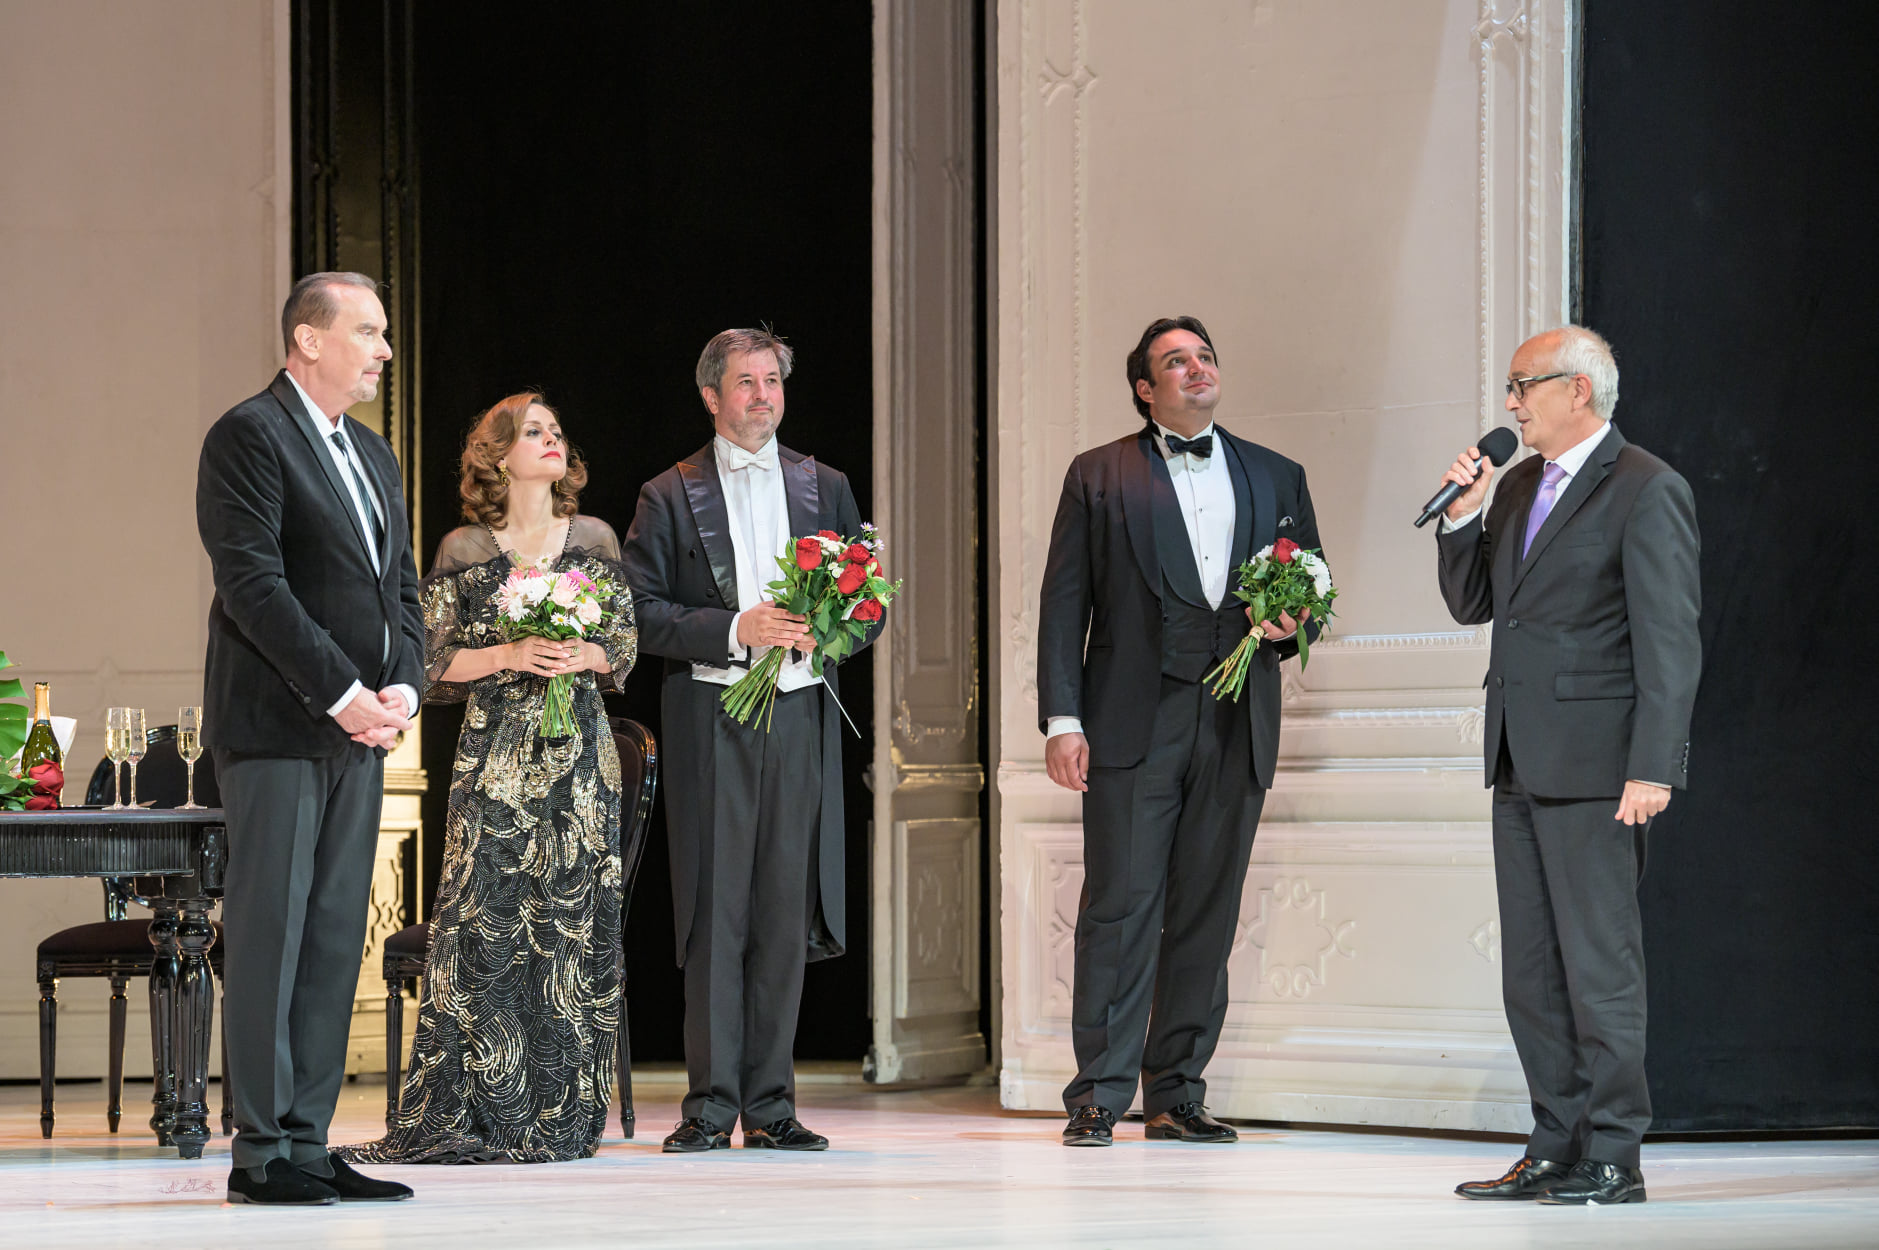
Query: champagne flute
x=189, y=746
x=114, y=748
x=135, y=744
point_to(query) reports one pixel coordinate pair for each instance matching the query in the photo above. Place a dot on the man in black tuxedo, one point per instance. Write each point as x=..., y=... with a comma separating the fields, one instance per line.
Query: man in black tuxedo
x=753, y=818
x=1136, y=609
x=316, y=650
x=1587, y=564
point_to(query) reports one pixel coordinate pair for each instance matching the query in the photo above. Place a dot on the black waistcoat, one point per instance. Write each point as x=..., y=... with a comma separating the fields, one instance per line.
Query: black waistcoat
x=1195, y=637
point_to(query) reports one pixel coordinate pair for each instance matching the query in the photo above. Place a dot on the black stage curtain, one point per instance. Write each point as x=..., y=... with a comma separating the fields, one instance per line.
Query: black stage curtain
x=1728, y=255
x=604, y=188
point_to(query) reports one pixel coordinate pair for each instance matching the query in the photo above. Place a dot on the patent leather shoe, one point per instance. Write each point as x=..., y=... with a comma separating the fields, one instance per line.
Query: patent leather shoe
x=784, y=1134
x=281, y=1185
x=1522, y=1182
x=1188, y=1122
x=1090, y=1126
x=1595, y=1184
x=352, y=1187
x=695, y=1136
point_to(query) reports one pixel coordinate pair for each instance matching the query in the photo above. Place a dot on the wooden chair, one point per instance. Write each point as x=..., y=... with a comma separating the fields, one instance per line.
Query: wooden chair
x=407, y=950
x=116, y=947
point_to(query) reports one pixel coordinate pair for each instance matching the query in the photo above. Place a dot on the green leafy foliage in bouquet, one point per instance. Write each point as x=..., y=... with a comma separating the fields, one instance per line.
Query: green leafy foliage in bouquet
x=834, y=584
x=1282, y=578
x=15, y=721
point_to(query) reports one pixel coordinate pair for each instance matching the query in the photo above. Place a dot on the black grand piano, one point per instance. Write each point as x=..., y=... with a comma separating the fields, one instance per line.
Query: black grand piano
x=174, y=861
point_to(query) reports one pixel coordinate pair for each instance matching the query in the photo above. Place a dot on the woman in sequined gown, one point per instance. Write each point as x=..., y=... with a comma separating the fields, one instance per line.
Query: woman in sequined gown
x=513, y=1057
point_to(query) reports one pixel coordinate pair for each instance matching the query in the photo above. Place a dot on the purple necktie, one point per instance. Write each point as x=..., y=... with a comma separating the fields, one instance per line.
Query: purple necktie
x=1542, y=504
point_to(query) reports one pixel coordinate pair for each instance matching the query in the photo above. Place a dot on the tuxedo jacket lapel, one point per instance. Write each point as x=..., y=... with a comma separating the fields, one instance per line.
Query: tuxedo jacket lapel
x=1138, y=507
x=377, y=483
x=1243, y=515
x=802, y=492
x=1263, y=520
x=705, y=493
x=302, y=420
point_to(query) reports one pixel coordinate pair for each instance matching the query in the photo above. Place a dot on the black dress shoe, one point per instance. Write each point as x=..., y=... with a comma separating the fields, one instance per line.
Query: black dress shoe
x=1595, y=1184
x=1523, y=1181
x=784, y=1134
x=1090, y=1126
x=695, y=1136
x=282, y=1185
x=1188, y=1122
x=352, y=1187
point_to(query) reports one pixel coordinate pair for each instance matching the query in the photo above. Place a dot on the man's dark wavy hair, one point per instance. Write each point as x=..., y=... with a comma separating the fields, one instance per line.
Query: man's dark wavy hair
x=1138, y=359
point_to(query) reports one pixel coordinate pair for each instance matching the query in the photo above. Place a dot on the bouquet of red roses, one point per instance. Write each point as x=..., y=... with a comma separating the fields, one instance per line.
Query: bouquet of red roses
x=1281, y=578
x=834, y=584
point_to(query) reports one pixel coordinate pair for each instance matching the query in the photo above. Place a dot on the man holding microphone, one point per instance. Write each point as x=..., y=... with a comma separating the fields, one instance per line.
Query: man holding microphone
x=1587, y=564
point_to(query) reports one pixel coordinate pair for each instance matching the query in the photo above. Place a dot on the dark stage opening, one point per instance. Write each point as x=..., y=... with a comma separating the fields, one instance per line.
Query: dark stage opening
x=1729, y=257
x=604, y=188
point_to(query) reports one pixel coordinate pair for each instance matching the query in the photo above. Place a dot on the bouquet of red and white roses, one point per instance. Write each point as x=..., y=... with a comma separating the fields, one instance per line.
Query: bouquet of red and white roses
x=834, y=584
x=1281, y=578
x=539, y=604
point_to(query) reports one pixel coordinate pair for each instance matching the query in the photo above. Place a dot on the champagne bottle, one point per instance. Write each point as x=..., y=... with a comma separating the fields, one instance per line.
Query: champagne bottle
x=42, y=745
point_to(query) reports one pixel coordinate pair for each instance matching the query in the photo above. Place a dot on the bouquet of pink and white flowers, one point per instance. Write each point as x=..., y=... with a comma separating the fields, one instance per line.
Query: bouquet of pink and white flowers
x=1281, y=578
x=539, y=604
x=833, y=583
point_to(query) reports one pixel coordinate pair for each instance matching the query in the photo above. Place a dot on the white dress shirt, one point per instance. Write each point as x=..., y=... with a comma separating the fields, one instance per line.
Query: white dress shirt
x=1571, y=460
x=357, y=480
x=756, y=507
x=1205, y=488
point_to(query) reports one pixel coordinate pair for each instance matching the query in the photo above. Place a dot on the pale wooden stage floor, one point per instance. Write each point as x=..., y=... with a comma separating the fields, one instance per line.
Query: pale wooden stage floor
x=924, y=1168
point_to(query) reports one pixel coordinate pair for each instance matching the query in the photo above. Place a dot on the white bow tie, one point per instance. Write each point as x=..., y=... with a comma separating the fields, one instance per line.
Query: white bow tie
x=736, y=457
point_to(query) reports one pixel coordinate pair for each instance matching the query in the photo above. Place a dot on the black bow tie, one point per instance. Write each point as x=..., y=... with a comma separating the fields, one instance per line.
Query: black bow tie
x=1202, y=447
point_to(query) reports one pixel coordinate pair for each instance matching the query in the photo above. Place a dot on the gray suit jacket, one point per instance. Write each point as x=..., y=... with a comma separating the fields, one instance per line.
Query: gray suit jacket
x=1596, y=655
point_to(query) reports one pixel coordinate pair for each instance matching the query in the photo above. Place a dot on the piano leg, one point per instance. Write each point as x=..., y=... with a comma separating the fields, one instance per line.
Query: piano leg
x=164, y=971
x=194, y=1029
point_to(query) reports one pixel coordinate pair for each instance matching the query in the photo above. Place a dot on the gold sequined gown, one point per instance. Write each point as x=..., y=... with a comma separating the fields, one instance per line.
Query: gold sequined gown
x=513, y=1057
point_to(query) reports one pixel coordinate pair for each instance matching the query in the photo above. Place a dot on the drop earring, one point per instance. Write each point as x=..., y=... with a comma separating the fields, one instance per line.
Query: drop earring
x=503, y=470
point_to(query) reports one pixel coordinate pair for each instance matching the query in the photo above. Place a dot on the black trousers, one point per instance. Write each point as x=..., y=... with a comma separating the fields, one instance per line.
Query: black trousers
x=1165, y=849
x=748, y=946
x=302, y=839
x=1572, y=969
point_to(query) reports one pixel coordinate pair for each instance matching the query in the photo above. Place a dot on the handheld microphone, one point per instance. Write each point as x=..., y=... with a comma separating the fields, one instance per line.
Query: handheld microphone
x=1498, y=445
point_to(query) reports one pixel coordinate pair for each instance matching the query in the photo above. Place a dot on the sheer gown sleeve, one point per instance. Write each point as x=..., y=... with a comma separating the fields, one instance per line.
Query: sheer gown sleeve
x=619, y=637
x=450, y=618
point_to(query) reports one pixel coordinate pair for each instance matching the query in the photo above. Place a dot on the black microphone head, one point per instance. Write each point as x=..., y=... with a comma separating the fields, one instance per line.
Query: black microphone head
x=1499, y=445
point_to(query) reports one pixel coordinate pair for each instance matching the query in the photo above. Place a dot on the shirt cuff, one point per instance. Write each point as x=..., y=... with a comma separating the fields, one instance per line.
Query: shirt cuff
x=410, y=697
x=1661, y=785
x=733, y=650
x=344, y=699
x=1062, y=725
x=1448, y=525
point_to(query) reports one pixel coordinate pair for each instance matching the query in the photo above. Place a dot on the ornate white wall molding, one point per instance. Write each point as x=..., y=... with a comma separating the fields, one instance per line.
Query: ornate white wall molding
x=1524, y=51
x=927, y=772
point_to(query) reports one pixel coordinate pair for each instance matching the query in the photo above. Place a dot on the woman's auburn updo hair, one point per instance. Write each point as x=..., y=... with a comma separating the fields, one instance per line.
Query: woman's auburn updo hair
x=485, y=493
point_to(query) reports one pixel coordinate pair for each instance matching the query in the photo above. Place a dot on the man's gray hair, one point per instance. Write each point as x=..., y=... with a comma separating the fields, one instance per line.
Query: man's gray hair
x=723, y=346
x=1585, y=351
x=311, y=302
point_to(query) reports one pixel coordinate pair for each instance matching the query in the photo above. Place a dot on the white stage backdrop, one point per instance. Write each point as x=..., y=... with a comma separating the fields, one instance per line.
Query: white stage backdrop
x=1367, y=201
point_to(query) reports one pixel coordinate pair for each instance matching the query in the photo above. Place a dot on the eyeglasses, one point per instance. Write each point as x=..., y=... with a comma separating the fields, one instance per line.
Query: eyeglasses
x=1517, y=387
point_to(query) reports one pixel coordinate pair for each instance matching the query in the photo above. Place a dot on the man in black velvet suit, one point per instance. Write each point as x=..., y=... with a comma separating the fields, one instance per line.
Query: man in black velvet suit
x=1587, y=564
x=1136, y=609
x=315, y=654
x=754, y=817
